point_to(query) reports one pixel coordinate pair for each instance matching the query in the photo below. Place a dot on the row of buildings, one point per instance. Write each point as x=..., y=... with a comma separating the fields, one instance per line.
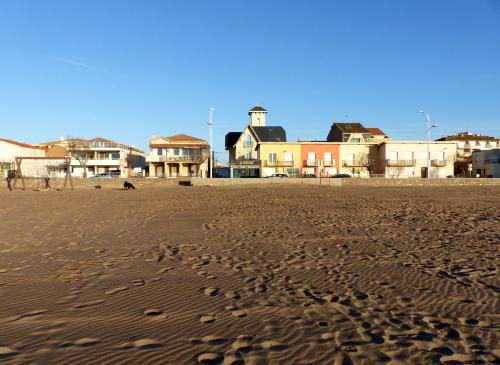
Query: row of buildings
x=351, y=148
x=172, y=156
x=261, y=151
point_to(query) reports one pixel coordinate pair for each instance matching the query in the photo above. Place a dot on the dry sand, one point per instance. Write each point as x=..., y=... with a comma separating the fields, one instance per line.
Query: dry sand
x=250, y=275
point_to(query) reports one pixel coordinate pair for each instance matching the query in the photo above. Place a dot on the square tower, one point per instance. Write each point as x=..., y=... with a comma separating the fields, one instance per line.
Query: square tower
x=257, y=116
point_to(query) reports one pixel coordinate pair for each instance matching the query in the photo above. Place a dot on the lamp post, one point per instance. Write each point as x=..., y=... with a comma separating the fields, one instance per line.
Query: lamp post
x=428, y=131
x=210, y=123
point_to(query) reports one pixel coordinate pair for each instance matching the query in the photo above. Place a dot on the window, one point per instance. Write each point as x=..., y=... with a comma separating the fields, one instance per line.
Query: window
x=272, y=157
x=115, y=156
x=159, y=151
x=288, y=157
x=248, y=141
x=248, y=155
x=176, y=152
x=328, y=157
x=355, y=140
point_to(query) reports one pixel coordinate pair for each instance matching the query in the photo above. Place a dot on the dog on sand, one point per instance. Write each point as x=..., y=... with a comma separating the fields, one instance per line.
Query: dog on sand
x=128, y=186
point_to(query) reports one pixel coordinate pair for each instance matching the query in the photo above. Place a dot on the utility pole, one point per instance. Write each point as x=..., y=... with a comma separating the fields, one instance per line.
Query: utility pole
x=210, y=123
x=428, y=131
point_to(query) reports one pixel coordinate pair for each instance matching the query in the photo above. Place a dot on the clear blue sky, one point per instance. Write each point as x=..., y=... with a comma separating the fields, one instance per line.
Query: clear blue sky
x=128, y=69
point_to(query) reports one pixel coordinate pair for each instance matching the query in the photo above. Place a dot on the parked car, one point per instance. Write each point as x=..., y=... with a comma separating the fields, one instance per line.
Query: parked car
x=341, y=176
x=103, y=175
x=279, y=176
x=309, y=175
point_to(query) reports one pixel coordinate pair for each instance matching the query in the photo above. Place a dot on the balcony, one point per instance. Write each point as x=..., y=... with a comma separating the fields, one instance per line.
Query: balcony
x=351, y=163
x=400, y=163
x=278, y=163
x=328, y=162
x=438, y=163
x=182, y=158
x=311, y=162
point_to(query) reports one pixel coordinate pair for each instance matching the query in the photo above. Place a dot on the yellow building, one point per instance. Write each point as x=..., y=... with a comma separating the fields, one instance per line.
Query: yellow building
x=276, y=157
x=357, y=159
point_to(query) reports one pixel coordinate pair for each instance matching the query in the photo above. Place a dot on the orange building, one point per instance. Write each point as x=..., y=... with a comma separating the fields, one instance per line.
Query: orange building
x=319, y=158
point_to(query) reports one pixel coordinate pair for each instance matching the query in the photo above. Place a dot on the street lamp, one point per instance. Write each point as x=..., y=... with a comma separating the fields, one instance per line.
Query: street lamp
x=428, y=131
x=210, y=123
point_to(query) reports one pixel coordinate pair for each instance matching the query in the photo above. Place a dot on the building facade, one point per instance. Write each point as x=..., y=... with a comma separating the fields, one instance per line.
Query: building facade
x=245, y=158
x=486, y=163
x=9, y=150
x=319, y=159
x=178, y=156
x=403, y=159
x=468, y=142
x=97, y=156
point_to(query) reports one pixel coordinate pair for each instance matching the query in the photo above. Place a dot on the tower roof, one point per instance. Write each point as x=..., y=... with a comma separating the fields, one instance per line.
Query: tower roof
x=257, y=108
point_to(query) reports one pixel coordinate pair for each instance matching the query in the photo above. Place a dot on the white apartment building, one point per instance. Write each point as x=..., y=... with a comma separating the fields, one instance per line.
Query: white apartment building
x=403, y=159
x=100, y=155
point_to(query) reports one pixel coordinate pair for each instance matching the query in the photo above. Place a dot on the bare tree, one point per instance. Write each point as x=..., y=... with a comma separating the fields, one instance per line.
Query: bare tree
x=79, y=149
x=366, y=161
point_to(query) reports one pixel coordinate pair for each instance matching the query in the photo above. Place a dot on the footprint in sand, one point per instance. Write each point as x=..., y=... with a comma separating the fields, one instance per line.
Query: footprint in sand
x=147, y=343
x=209, y=358
x=211, y=292
x=214, y=340
x=86, y=342
x=239, y=313
x=207, y=318
x=273, y=346
x=6, y=352
x=153, y=312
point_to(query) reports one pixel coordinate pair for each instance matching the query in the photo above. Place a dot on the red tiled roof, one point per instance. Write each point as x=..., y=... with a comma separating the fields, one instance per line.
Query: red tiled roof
x=183, y=138
x=375, y=132
x=21, y=144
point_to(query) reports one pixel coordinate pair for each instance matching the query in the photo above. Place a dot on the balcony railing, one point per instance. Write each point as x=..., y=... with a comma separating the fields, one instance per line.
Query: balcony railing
x=400, y=163
x=328, y=162
x=350, y=163
x=438, y=163
x=278, y=163
x=311, y=162
x=183, y=158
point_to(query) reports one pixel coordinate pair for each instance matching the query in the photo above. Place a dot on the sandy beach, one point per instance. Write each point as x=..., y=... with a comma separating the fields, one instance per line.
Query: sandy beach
x=277, y=274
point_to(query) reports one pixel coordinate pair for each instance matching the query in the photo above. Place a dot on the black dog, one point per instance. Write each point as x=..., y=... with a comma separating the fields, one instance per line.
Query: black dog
x=128, y=186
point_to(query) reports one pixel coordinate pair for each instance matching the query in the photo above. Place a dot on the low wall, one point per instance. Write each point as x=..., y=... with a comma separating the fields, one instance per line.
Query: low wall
x=157, y=182
x=350, y=182
x=79, y=183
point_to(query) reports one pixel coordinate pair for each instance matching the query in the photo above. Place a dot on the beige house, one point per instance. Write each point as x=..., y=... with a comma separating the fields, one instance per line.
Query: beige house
x=9, y=150
x=404, y=159
x=358, y=159
x=99, y=155
x=468, y=142
x=178, y=156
